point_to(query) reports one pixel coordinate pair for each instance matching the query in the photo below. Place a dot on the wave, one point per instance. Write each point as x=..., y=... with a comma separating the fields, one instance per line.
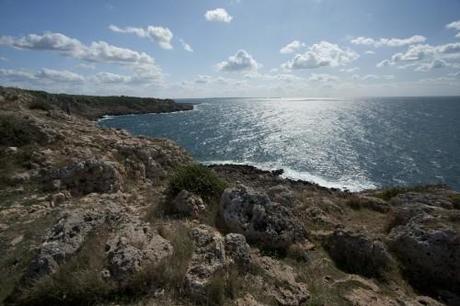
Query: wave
x=290, y=173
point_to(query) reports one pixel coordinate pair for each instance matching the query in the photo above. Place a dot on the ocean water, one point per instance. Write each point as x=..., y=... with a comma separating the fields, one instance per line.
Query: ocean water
x=345, y=143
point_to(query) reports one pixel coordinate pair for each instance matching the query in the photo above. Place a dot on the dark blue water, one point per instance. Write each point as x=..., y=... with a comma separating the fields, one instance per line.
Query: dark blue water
x=359, y=143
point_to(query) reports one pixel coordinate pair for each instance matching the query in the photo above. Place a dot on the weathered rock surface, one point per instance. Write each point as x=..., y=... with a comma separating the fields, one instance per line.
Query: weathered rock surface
x=88, y=176
x=207, y=259
x=188, y=204
x=66, y=238
x=430, y=252
x=286, y=291
x=133, y=246
x=357, y=253
x=260, y=220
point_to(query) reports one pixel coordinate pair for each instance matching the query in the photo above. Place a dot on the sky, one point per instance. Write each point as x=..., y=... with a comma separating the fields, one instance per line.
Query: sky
x=232, y=48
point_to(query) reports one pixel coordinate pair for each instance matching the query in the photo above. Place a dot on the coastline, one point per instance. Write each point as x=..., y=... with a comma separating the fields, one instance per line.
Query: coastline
x=95, y=210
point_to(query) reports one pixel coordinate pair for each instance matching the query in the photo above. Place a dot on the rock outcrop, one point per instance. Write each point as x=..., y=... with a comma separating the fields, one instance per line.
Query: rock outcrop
x=357, y=253
x=260, y=220
x=188, y=204
x=87, y=176
x=133, y=246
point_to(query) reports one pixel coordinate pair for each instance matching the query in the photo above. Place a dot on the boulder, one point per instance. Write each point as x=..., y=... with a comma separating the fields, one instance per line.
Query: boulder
x=283, y=287
x=237, y=248
x=357, y=253
x=282, y=194
x=260, y=220
x=207, y=259
x=188, y=204
x=87, y=176
x=429, y=250
x=133, y=246
x=65, y=239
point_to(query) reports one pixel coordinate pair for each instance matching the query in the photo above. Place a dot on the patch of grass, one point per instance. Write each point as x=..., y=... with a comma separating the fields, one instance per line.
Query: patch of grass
x=224, y=286
x=197, y=179
x=39, y=104
x=354, y=202
x=389, y=193
x=77, y=282
x=169, y=274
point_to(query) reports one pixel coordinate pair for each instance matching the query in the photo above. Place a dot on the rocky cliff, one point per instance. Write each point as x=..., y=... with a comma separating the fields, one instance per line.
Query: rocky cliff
x=96, y=216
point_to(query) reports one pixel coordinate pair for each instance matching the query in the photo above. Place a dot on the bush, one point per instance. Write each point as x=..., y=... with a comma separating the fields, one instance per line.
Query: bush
x=197, y=179
x=40, y=105
x=16, y=131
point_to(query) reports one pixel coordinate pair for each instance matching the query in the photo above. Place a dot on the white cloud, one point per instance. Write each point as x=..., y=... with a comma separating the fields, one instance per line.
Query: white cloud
x=141, y=63
x=43, y=75
x=186, y=46
x=320, y=55
x=425, y=57
x=161, y=35
x=292, y=47
x=388, y=42
x=455, y=25
x=369, y=52
x=59, y=76
x=218, y=15
x=241, y=61
x=3, y=59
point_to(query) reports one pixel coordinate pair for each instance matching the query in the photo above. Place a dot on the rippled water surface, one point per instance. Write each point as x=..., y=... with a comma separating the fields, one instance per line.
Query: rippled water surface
x=360, y=143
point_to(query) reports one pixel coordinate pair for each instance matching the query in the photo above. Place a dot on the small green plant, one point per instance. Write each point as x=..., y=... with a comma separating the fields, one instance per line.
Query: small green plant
x=40, y=105
x=17, y=131
x=197, y=179
x=455, y=199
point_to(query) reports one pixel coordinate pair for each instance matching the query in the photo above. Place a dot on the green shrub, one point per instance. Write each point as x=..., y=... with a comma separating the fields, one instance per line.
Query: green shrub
x=197, y=179
x=40, y=105
x=16, y=131
x=455, y=199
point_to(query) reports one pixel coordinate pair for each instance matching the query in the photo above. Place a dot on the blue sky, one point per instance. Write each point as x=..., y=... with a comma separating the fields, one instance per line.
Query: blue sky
x=203, y=48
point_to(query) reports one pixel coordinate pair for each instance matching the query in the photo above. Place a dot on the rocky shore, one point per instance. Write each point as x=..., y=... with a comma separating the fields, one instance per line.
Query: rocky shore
x=92, y=216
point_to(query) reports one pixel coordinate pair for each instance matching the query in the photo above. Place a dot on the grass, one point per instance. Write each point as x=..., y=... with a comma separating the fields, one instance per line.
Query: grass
x=77, y=282
x=39, y=104
x=389, y=193
x=455, y=199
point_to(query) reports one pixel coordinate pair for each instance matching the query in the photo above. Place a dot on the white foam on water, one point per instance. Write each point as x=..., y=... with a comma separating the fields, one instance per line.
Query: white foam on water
x=289, y=173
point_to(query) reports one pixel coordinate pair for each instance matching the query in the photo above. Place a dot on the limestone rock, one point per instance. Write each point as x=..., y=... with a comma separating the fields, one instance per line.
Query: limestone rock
x=287, y=291
x=133, y=246
x=356, y=253
x=430, y=252
x=282, y=194
x=188, y=204
x=64, y=239
x=237, y=248
x=260, y=220
x=88, y=176
x=207, y=259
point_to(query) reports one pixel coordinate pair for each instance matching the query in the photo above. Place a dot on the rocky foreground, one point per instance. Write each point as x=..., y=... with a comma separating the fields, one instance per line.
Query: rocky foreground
x=92, y=216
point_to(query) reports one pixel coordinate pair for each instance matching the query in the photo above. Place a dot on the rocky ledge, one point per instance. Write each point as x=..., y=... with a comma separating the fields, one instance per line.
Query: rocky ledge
x=92, y=216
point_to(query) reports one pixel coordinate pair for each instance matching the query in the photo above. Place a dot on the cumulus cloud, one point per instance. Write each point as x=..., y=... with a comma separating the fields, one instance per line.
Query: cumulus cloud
x=292, y=47
x=186, y=46
x=349, y=70
x=425, y=57
x=241, y=61
x=321, y=54
x=99, y=51
x=161, y=35
x=218, y=15
x=388, y=42
x=455, y=25
x=369, y=52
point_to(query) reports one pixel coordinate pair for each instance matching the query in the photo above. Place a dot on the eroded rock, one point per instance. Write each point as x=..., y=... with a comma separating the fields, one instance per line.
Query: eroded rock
x=356, y=253
x=88, y=176
x=188, y=204
x=133, y=246
x=260, y=220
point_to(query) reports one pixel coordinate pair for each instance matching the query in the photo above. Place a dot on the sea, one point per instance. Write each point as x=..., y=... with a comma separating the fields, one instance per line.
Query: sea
x=354, y=144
